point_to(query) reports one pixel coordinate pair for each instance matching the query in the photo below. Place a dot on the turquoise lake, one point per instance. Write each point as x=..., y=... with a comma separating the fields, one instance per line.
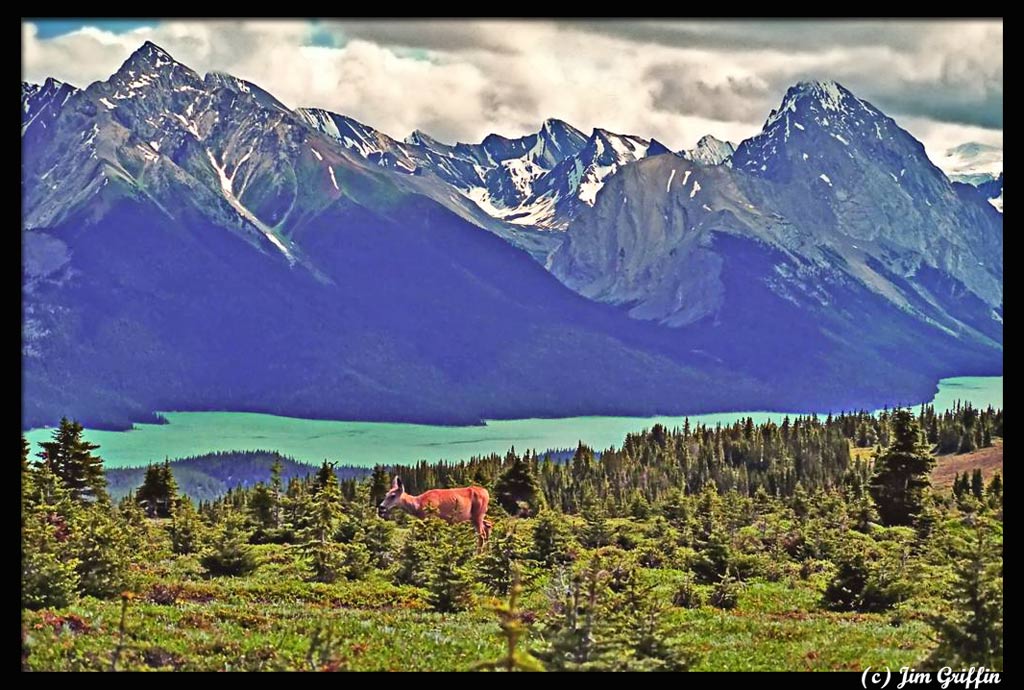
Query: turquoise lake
x=367, y=443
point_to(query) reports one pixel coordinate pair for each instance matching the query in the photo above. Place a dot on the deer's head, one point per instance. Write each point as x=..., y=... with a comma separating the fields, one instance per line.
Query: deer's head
x=392, y=498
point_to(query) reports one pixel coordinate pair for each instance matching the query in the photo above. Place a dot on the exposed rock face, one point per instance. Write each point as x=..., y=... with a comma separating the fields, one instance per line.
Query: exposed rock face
x=711, y=151
x=831, y=183
x=192, y=243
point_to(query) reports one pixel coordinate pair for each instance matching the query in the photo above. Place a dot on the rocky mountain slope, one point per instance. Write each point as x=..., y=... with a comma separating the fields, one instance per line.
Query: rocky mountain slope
x=189, y=242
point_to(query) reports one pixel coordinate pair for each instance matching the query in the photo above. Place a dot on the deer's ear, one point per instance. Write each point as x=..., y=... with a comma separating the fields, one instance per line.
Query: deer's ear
x=397, y=484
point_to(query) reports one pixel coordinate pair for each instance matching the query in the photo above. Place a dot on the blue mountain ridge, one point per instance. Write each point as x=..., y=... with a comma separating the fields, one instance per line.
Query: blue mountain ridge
x=192, y=243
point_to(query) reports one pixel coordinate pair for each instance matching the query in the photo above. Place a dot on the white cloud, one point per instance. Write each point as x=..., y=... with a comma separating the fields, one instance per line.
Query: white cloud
x=461, y=80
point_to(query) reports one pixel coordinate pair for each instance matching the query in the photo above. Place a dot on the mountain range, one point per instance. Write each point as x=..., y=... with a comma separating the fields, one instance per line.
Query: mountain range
x=190, y=242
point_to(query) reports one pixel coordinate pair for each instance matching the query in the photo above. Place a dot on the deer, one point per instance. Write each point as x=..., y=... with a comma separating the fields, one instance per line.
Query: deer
x=466, y=504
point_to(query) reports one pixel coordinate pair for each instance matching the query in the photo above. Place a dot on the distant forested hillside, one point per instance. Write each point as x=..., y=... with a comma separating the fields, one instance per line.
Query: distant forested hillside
x=205, y=477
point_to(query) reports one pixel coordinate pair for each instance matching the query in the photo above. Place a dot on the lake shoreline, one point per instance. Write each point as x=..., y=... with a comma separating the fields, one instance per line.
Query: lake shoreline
x=158, y=417
x=368, y=443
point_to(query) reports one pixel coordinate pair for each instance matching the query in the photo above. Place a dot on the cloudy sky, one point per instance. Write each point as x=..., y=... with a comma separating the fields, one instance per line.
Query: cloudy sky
x=675, y=81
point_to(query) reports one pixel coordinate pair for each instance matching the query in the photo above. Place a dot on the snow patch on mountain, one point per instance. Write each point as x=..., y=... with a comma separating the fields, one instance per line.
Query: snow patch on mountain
x=227, y=187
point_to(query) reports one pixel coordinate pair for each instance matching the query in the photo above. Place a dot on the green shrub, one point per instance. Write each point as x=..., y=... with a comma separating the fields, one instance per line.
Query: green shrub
x=502, y=560
x=355, y=561
x=714, y=556
x=971, y=633
x=726, y=592
x=414, y=556
x=49, y=575
x=326, y=559
x=449, y=584
x=550, y=539
x=603, y=619
x=688, y=595
x=230, y=552
x=866, y=581
x=186, y=530
x=517, y=490
x=378, y=536
x=102, y=547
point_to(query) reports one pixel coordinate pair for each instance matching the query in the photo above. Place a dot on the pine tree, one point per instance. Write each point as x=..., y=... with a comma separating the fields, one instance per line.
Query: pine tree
x=49, y=568
x=380, y=483
x=449, y=584
x=26, y=474
x=860, y=508
x=637, y=630
x=262, y=509
x=687, y=595
x=49, y=571
x=70, y=457
x=186, y=529
x=158, y=491
x=416, y=552
x=846, y=589
x=550, y=540
x=355, y=560
x=674, y=507
x=652, y=645
x=230, y=553
x=275, y=488
x=977, y=484
x=596, y=531
x=799, y=501
x=726, y=592
x=517, y=489
x=900, y=480
x=133, y=519
x=325, y=556
x=500, y=564
x=102, y=546
x=378, y=536
x=969, y=419
x=513, y=628
x=972, y=634
x=957, y=488
x=714, y=555
x=639, y=507
x=573, y=638
x=995, y=487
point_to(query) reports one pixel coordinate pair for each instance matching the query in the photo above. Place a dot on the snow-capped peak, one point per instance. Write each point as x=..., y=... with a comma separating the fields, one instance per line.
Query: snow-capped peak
x=49, y=96
x=824, y=99
x=560, y=131
x=710, y=151
x=553, y=126
x=819, y=115
x=622, y=148
x=150, y=48
x=828, y=92
x=150, y=57
x=148, y=69
x=420, y=138
x=49, y=86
